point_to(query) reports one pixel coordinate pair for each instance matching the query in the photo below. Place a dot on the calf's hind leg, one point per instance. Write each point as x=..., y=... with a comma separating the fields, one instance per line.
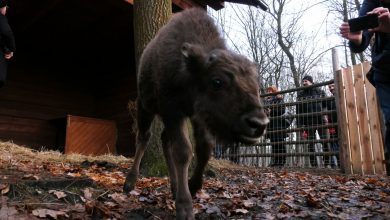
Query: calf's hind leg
x=144, y=121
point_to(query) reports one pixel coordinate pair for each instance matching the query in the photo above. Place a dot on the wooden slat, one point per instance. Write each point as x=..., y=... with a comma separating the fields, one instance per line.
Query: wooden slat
x=364, y=128
x=90, y=136
x=31, y=132
x=354, y=138
x=343, y=132
x=374, y=121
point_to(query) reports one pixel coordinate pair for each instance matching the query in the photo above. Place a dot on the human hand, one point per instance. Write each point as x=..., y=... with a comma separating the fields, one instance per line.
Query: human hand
x=267, y=111
x=355, y=37
x=8, y=55
x=383, y=18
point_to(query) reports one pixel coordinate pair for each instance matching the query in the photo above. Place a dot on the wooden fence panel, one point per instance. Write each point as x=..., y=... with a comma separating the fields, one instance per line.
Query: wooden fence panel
x=345, y=160
x=352, y=121
x=363, y=123
x=361, y=140
x=375, y=127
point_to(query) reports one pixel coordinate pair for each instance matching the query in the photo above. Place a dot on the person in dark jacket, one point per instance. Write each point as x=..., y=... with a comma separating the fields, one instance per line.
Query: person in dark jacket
x=307, y=119
x=276, y=124
x=380, y=56
x=7, y=42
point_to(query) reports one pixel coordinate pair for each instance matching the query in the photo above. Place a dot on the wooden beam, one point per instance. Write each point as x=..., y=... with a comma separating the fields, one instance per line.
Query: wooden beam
x=184, y=4
x=215, y=4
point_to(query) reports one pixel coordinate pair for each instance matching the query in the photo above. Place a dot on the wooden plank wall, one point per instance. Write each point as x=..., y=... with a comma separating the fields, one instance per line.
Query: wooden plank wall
x=31, y=99
x=361, y=139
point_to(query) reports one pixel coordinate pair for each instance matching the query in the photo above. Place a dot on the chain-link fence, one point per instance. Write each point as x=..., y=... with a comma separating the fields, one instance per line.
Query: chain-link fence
x=302, y=131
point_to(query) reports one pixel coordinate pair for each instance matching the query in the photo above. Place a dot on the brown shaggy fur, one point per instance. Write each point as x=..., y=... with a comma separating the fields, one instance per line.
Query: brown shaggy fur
x=186, y=71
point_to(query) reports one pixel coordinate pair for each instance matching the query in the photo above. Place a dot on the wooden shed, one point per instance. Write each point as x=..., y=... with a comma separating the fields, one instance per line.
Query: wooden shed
x=74, y=61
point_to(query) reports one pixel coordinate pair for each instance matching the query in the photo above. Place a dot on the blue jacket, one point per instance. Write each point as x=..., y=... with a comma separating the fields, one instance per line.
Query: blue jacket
x=380, y=53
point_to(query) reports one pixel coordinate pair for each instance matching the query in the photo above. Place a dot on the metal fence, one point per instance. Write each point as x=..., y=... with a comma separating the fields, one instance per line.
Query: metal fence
x=302, y=131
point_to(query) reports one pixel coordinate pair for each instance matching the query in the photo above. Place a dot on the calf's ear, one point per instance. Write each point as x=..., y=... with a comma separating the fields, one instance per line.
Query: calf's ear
x=194, y=56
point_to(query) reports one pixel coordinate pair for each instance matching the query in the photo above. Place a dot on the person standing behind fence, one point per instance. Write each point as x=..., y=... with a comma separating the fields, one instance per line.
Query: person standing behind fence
x=7, y=42
x=332, y=118
x=310, y=120
x=276, y=124
x=380, y=57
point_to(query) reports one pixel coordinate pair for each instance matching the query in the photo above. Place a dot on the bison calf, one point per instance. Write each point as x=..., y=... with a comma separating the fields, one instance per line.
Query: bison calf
x=186, y=71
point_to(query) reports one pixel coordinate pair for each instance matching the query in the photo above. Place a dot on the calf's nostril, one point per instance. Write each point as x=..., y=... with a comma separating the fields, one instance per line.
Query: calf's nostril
x=254, y=122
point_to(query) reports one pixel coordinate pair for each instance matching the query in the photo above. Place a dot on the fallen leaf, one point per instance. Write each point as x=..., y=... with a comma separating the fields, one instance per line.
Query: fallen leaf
x=135, y=192
x=74, y=174
x=241, y=211
x=202, y=195
x=226, y=195
x=312, y=202
x=87, y=194
x=4, y=188
x=120, y=198
x=249, y=203
x=43, y=213
x=30, y=177
x=212, y=209
x=78, y=208
x=59, y=194
x=110, y=204
x=7, y=212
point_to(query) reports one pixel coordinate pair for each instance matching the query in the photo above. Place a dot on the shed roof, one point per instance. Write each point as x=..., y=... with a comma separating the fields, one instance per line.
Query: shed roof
x=218, y=4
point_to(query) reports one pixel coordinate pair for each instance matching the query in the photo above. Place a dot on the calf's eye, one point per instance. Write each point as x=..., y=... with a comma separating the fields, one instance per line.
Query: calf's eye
x=217, y=83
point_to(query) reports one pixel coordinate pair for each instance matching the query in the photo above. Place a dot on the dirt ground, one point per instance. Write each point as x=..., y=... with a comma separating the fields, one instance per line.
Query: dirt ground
x=49, y=185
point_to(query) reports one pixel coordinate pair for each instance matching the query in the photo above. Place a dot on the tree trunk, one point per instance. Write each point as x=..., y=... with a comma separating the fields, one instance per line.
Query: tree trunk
x=285, y=47
x=149, y=17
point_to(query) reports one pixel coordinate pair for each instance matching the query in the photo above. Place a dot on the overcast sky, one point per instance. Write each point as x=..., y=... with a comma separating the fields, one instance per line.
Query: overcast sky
x=315, y=21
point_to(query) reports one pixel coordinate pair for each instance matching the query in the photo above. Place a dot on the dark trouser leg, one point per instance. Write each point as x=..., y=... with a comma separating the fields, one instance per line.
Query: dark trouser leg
x=311, y=147
x=383, y=91
x=335, y=148
x=387, y=149
x=313, y=159
x=324, y=134
x=3, y=71
x=278, y=148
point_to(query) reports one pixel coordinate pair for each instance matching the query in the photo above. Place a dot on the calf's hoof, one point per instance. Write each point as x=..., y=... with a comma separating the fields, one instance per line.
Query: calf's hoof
x=129, y=183
x=195, y=186
x=184, y=213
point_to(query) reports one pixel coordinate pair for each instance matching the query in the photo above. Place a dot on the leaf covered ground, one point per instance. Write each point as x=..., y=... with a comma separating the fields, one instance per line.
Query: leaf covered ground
x=49, y=185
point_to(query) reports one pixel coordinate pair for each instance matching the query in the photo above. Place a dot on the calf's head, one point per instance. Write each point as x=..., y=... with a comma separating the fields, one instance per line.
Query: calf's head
x=226, y=99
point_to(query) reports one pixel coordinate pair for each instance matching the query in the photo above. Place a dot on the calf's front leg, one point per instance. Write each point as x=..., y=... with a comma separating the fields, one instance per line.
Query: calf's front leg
x=178, y=145
x=203, y=147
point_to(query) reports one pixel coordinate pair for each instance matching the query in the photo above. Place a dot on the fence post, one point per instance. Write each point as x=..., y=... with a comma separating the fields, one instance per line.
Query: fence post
x=335, y=60
x=345, y=164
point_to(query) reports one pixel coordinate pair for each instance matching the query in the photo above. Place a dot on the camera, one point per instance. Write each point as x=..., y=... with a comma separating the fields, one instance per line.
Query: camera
x=363, y=23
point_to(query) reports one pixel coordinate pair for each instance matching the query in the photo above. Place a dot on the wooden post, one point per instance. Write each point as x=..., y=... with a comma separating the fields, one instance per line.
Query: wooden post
x=343, y=133
x=335, y=60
